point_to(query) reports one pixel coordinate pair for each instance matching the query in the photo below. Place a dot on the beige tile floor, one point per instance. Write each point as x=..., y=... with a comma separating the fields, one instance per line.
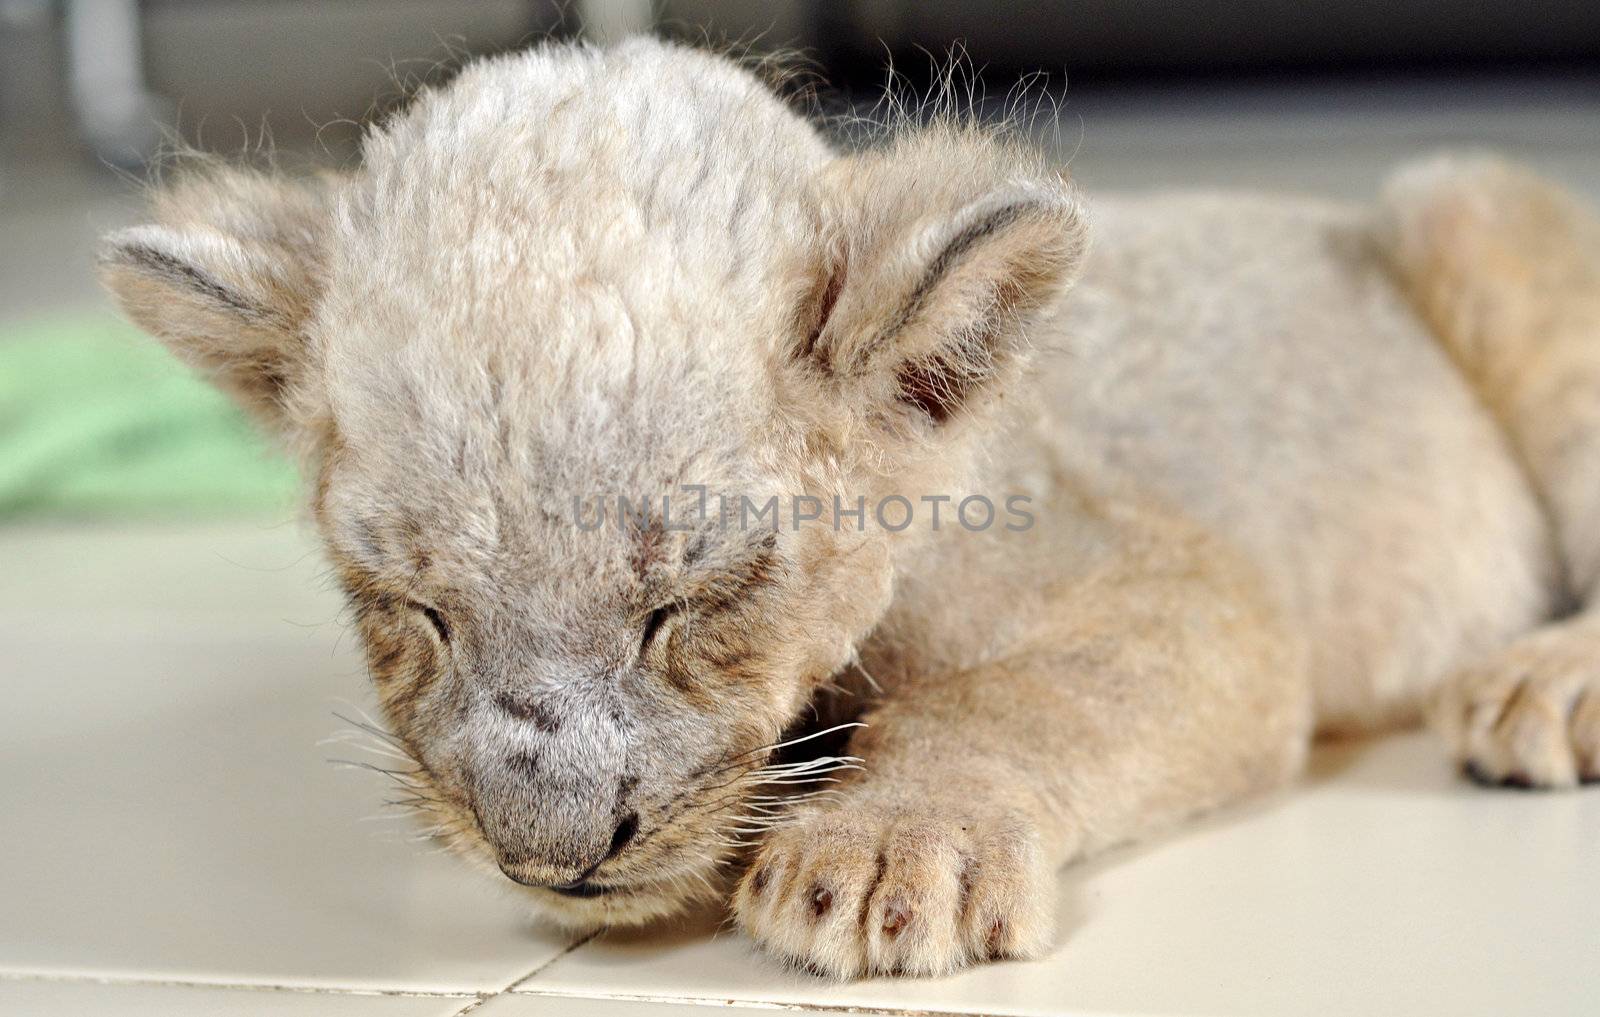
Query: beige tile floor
x=170, y=820
x=172, y=840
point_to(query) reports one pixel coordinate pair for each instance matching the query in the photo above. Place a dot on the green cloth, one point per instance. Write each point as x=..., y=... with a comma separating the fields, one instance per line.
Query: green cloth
x=98, y=420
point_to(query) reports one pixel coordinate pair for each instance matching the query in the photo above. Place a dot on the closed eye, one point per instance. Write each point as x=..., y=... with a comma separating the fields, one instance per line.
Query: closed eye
x=435, y=619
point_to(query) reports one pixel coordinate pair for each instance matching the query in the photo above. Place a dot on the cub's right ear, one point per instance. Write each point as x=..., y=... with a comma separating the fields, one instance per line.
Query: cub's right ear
x=226, y=278
x=940, y=252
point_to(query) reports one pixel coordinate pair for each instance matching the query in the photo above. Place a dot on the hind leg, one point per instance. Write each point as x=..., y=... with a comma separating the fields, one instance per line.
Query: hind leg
x=1506, y=268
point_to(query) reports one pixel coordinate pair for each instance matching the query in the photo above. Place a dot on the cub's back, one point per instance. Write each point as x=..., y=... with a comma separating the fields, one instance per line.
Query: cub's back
x=1250, y=360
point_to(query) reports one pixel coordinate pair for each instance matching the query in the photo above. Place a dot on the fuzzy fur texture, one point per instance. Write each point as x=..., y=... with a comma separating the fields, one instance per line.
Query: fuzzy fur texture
x=1293, y=466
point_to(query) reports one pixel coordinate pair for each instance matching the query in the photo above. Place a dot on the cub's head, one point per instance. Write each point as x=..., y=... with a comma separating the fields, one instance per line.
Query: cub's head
x=548, y=357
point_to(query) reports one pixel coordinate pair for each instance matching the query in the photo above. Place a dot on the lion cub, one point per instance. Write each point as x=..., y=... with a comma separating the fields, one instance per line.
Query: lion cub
x=635, y=416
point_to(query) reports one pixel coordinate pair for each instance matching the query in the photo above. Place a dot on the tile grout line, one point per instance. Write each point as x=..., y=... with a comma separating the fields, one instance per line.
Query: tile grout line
x=484, y=997
x=732, y=1001
x=181, y=983
x=475, y=998
x=574, y=945
x=516, y=988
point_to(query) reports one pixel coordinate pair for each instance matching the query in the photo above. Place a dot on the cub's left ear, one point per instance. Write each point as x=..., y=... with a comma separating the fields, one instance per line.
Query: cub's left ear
x=942, y=250
x=226, y=277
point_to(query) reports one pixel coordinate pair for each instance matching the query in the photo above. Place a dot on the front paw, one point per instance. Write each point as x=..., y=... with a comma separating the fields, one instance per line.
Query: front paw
x=1531, y=716
x=876, y=887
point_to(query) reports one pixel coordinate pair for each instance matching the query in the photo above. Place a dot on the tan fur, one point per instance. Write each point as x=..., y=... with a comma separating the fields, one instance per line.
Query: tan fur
x=1268, y=496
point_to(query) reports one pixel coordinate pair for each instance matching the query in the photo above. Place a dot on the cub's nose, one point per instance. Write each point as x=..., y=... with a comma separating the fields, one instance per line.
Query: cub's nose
x=530, y=873
x=551, y=786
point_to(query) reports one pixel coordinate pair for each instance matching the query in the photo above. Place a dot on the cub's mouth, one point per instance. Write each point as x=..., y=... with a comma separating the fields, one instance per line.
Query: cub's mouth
x=671, y=855
x=696, y=864
x=583, y=891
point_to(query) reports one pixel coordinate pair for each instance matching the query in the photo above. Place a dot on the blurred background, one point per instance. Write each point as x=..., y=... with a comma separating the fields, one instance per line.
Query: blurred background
x=1318, y=96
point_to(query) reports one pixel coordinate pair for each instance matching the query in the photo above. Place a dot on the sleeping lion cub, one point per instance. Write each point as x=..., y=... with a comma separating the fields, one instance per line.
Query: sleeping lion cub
x=641, y=423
